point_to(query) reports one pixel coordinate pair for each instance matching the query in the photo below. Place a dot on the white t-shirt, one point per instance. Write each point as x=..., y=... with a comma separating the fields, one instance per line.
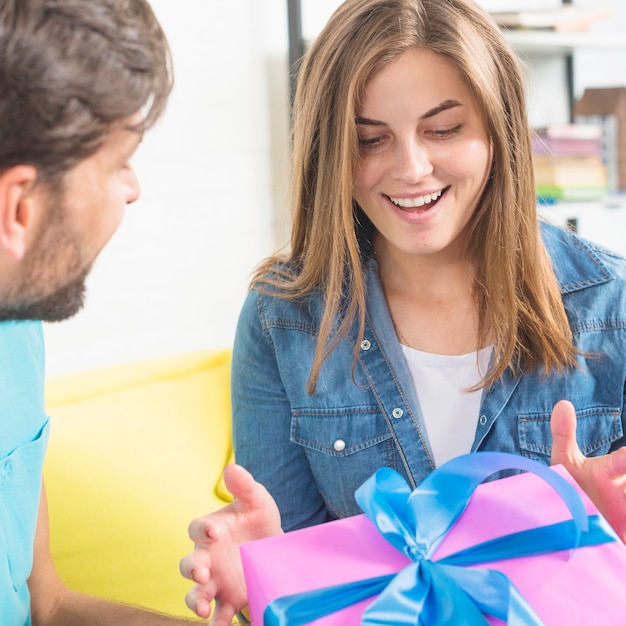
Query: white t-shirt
x=450, y=413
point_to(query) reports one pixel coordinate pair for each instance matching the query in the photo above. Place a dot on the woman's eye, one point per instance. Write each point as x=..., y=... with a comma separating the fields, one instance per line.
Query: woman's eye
x=446, y=132
x=370, y=142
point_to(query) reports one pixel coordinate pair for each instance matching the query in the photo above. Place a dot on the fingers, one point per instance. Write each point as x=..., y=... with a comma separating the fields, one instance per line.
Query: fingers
x=224, y=614
x=203, y=529
x=565, y=450
x=191, y=568
x=199, y=601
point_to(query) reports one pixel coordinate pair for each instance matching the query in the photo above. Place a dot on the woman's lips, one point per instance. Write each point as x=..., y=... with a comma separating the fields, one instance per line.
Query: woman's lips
x=423, y=202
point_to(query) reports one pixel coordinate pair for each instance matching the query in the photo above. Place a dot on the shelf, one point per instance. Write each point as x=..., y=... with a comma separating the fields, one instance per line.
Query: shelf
x=550, y=42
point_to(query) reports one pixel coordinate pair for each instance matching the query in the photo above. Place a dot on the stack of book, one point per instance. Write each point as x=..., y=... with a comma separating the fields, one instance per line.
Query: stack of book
x=606, y=107
x=568, y=163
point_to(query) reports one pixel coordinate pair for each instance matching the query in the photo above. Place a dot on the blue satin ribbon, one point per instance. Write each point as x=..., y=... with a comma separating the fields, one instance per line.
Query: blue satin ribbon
x=443, y=592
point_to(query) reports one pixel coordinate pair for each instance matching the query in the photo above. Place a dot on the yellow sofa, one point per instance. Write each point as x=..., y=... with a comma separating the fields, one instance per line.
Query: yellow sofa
x=136, y=452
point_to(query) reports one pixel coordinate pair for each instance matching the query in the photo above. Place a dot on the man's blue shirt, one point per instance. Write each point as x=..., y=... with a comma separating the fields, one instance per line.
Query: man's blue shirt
x=23, y=440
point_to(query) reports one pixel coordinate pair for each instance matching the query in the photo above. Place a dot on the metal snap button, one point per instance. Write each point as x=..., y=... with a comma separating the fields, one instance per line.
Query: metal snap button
x=397, y=412
x=366, y=344
x=339, y=445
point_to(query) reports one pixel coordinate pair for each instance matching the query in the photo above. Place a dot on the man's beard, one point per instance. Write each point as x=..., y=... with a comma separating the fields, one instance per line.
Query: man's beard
x=65, y=302
x=56, y=253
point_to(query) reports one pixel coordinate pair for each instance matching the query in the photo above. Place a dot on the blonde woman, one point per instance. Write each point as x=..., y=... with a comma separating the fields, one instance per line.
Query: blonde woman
x=422, y=311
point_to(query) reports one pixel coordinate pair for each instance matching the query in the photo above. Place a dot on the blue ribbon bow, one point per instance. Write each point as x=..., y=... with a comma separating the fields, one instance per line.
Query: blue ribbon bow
x=444, y=591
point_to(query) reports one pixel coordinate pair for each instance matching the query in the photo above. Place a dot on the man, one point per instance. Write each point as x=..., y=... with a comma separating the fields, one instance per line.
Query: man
x=80, y=81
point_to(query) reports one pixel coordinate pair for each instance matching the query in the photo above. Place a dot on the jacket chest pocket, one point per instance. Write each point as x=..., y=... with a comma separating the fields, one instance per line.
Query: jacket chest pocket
x=597, y=429
x=350, y=443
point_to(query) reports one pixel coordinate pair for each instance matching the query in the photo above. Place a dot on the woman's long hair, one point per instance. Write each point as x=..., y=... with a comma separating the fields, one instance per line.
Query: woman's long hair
x=520, y=309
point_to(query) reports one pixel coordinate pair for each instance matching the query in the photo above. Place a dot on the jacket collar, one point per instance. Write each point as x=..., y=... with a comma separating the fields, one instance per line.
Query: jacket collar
x=576, y=262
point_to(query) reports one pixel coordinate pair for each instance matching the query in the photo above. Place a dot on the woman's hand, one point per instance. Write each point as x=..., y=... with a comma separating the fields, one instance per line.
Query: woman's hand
x=215, y=564
x=602, y=478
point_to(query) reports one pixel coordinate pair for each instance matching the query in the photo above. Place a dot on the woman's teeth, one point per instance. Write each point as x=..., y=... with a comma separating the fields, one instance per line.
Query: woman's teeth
x=411, y=203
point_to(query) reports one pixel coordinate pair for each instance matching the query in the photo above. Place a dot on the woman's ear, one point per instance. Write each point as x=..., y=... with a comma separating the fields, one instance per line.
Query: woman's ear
x=17, y=209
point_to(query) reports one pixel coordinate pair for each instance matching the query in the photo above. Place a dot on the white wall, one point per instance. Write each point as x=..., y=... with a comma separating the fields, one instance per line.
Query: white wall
x=213, y=175
x=174, y=276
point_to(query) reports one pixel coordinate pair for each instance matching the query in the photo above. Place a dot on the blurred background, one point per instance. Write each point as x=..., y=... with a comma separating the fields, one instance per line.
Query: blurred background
x=214, y=174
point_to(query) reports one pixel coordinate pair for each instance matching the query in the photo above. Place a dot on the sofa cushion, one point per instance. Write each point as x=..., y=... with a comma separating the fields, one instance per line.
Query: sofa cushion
x=136, y=452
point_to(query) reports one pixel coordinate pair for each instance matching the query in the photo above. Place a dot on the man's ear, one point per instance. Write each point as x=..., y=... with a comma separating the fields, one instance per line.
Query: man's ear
x=17, y=209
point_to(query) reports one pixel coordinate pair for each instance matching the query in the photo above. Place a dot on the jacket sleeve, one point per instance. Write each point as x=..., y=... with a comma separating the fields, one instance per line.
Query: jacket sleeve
x=262, y=417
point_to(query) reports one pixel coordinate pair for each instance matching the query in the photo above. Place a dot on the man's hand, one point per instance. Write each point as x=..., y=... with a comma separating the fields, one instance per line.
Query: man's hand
x=602, y=478
x=215, y=564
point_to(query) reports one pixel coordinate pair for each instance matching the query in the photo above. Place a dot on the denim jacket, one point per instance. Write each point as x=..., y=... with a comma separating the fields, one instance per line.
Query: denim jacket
x=313, y=451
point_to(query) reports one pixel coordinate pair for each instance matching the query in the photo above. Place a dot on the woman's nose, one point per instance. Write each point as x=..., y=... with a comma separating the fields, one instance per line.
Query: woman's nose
x=411, y=161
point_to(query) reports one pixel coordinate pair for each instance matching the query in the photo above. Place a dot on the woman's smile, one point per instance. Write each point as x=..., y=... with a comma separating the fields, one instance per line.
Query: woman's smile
x=409, y=203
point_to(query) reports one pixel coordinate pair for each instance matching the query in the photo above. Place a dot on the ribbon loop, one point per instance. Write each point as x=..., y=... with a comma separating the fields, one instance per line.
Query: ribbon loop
x=428, y=513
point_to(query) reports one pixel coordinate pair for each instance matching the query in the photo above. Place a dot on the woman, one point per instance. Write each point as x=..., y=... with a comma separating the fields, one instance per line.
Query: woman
x=416, y=253
x=422, y=311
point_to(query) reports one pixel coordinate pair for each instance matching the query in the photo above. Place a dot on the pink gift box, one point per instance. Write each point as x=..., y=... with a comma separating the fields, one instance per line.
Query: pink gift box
x=583, y=587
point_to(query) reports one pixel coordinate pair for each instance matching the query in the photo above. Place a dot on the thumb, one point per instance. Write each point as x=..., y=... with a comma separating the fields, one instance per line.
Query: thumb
x=239, y=482
x=253, y=498
x=565, y=450
x=615, y=463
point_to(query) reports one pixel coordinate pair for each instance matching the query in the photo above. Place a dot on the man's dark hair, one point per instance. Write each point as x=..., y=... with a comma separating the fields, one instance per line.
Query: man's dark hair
x=72, y=69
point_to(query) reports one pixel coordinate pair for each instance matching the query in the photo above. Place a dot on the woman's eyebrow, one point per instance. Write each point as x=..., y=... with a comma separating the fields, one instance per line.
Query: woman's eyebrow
x=444, y=106
x=367, y=122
